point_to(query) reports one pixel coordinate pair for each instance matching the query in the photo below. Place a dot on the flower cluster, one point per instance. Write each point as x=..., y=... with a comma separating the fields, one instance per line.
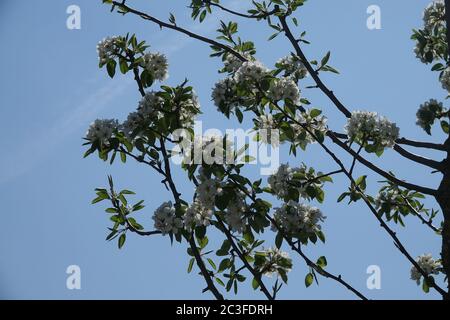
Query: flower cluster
x=295, y=218
x=209, y=149
x=267, y=130
x=187, y=110
x=106, y=49
x=235, y=213
x=284, y=88
x=427, y=114
x=207, y=190
x=313, y=124
x=434, y=15
x=101, y=130
x=445, y=79
x=197, y=215
x=273, y=261
x=251, y=71
x=427, y=264
x=224, y=96
x=165, y=219
x=279, y=181
x=431, y=41
x=366, y=126
x=156, y=64
x=387, y=197
x=233, y=63
x=243, y=76
x=292, y=66
x=148, y=111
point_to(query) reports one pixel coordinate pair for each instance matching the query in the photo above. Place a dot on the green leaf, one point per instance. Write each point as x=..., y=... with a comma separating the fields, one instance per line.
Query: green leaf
x=325, y=59
x=224, y=264
x=425, y=286
x=202, y=16
x=111, y=67
x=322, y=262
x=191, y=264
x=219, y=281
x=279, y=240
x=445, y=126
x=315, y=113
x=127, y=192
x=309, y=279
x=361, y=182
x=121, y=241
x=123, y=66
x=255, y=284
x=213, y=265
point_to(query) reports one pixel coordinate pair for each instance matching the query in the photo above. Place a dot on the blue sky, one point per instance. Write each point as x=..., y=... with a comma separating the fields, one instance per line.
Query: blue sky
x=52, y=89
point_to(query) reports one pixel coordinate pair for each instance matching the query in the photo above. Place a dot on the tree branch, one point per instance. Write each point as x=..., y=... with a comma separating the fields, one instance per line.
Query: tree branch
x=256, y=274
x=239, y=14
x=378, y=170
x=167, y=25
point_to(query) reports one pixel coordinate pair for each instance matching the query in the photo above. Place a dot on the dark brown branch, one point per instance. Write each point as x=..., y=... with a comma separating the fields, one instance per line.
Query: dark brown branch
x=429, y=222
x=239, y=14
x=140, y=232
x=256, y=274
x=167, y=25
x=312, y=72
x=378, y=170
x=420, y=144
x=419, y=159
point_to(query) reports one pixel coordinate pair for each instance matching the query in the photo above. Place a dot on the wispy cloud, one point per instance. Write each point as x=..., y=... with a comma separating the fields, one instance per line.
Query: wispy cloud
x=18, y=162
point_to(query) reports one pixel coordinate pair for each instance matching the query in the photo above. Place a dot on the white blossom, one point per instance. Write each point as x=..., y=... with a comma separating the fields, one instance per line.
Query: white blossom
x=279, y=181
x=388, y=196
x=292, y=67
x=427, y=264
x=148, y=110
x=426, y=115
x=209, y=149
x=233, y=63
x=207, y=190
x=267, y=130
x=150, y=106
x=157, y=65
x=434, y=14
x=187, y=110
x=101, y=130
x=364, y=126
x=294, y=218
x=251, y=70
x=445, y=79
x=284, y=88
x=165, y=219
x=106, y=49
x=133, y=122
x=318, y=123
x=235, y=213
x=197, y=215
x=223, y=94
x=276, y=261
